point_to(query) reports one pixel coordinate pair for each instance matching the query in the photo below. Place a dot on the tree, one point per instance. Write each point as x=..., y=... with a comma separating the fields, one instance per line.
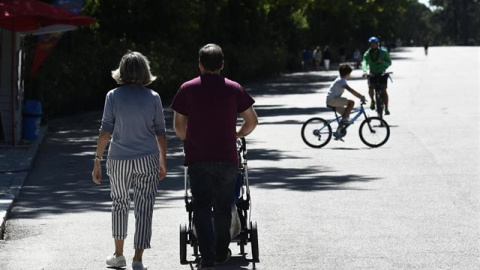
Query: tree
x=260, y=38
x=459, y=20
x=415, y=24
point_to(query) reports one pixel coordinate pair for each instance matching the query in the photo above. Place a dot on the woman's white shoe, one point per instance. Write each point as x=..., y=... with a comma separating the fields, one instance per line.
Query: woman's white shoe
x=136, y=265
x=115, y=261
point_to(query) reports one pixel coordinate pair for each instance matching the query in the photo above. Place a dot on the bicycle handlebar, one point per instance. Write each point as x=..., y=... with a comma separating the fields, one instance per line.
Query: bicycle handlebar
x=380, y=74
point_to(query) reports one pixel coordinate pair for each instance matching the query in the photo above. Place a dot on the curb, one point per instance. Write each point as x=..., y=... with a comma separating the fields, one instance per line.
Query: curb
x=18, y=178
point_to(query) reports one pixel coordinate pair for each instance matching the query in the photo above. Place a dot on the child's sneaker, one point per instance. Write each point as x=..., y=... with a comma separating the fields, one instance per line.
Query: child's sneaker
x=346, y=122
x=387, y=112
x=136, y=265
x=337, y=136
x=372, y=105
x=116, y=261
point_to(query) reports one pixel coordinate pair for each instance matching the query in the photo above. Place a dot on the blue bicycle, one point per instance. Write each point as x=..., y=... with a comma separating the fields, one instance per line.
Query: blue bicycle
x=317, y=132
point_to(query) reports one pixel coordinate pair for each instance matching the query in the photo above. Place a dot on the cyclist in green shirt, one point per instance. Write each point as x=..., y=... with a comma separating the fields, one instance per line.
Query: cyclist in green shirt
x=377, y=60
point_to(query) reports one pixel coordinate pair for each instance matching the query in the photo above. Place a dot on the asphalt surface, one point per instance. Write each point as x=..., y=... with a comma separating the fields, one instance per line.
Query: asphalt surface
x=410, y=204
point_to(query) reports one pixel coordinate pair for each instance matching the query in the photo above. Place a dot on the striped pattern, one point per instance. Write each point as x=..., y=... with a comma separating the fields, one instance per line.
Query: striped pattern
x=141, y=175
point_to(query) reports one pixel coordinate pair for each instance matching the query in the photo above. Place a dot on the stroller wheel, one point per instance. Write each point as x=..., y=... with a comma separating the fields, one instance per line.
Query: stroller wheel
x=242, y=248
x=243, y=241
x=195, y=249
x=183, y=244
x=254, y=240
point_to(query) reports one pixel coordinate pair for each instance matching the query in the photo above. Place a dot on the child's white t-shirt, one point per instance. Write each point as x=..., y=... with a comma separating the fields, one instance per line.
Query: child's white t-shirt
x=336, y=88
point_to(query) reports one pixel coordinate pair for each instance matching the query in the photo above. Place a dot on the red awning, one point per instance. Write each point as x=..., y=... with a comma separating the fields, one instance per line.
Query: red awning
x=27, y=15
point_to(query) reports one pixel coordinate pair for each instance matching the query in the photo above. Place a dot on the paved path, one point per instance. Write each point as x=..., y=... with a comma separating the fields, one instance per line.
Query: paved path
x=411, y=204
x=15, y=163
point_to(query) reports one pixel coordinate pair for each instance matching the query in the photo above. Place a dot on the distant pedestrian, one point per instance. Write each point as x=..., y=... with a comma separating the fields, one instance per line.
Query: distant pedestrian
x=205, y=119
x=134, y=121
x=357, y=57
x=307, y=57
x=317, y=57
x=342, y=53
x=326, y=57
x=425, y=47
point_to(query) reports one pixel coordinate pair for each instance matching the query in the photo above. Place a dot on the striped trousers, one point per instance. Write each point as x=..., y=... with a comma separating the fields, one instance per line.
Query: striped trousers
x=141, y=175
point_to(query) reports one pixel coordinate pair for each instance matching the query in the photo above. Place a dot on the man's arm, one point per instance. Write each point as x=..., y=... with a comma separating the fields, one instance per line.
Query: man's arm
x=386, y=60
x=250, y=121
x=180, y=125
x=365, y=63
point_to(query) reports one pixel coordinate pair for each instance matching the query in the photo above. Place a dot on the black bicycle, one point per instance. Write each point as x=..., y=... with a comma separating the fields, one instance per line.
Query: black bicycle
x=379, y=82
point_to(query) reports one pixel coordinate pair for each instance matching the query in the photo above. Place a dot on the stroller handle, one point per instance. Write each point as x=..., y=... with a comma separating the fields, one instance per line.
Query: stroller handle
x=185, y=178
x=243, y=148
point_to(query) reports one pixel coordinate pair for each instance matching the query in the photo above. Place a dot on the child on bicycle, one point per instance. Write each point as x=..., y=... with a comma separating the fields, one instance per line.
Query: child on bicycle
x=334, y=97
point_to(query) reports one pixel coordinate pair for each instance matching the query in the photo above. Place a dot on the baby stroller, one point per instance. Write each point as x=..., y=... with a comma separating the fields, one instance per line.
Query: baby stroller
x=243, y=230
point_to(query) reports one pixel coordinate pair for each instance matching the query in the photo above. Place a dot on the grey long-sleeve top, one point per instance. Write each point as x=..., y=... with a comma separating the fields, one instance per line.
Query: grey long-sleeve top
x=134, y=116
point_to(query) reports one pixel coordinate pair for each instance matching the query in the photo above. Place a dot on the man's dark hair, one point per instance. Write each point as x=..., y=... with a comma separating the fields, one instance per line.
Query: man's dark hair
x=211, y=57
x=345, y=69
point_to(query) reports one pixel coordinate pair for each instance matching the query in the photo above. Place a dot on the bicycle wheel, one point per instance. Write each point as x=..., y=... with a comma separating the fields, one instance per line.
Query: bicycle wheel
x=379, y=102
x=374, y=131
x=316, y=132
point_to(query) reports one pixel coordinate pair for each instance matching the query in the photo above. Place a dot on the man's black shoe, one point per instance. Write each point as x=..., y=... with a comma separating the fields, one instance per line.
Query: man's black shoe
x=224, y=260
x=206, y=267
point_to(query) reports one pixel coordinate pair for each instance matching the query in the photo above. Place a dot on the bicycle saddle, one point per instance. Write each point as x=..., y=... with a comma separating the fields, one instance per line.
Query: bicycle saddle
x=331, y=107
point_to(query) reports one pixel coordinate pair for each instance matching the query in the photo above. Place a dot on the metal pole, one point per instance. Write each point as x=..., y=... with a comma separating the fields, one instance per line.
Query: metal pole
x=13, y=89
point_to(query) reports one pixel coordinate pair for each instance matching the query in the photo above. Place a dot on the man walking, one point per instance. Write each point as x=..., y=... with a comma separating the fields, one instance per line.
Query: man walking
x=205, y=118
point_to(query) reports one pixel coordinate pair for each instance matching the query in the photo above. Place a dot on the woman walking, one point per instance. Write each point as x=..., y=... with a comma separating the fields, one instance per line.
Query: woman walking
x=134, y=121
x=326, y=57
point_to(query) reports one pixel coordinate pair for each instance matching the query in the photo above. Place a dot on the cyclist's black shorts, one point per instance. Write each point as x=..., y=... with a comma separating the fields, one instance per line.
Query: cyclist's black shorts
x=378, y=78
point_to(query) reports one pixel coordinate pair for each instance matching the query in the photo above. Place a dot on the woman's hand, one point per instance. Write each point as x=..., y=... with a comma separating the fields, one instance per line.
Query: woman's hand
x=97, y=172
x=162, y=171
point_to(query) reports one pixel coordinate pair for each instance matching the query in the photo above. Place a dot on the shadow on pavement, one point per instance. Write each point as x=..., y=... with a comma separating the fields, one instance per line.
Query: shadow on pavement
x=349, y=148
x=271, y=110
x=305, y=179
x=290, y=84
x=299, y=179
x=269, y=154
x=236, y=262
x=400, y=58
x=61, y=181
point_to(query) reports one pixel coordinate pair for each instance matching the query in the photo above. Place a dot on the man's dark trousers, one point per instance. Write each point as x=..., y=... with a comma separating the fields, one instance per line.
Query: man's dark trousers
x=212, y=185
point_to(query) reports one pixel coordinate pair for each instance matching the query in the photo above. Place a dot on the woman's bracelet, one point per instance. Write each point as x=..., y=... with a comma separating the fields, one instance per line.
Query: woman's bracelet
x=98, y=158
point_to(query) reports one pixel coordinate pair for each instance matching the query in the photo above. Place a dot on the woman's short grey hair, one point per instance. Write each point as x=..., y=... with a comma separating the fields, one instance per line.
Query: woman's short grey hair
x=134, y=69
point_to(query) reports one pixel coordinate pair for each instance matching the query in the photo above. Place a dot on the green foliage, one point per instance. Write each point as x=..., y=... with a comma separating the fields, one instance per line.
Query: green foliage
x=415, y=24
x=260, y=38
x=456, y=21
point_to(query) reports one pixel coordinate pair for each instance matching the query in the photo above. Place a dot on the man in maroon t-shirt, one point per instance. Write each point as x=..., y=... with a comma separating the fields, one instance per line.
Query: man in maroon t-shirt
x=206, y=110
